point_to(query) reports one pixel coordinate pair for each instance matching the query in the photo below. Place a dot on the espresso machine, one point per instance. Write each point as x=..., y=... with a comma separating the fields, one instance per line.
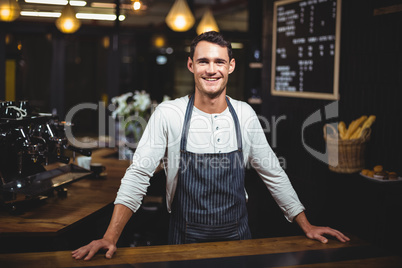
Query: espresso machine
x=30, y=142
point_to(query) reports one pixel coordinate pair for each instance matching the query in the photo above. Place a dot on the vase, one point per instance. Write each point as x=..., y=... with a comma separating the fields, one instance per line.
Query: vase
x=127, y=136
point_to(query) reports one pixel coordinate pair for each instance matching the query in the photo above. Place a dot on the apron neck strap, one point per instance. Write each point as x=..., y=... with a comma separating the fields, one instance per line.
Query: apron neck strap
x=187, y=119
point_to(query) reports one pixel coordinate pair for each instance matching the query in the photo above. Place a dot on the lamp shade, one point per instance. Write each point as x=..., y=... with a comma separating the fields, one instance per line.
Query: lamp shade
x=207, y=23
x=180, y=18
x=67, y=22
x=9, y=10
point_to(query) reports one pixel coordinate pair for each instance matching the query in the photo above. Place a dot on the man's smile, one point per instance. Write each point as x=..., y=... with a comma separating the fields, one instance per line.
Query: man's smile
x=211, y=79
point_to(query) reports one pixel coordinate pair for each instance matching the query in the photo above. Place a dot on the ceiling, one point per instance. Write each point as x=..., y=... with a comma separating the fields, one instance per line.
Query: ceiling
x=231, y=15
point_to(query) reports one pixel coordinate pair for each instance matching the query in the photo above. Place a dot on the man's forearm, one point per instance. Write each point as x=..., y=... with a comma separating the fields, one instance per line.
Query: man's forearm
x=120, y=217
x=302, y=221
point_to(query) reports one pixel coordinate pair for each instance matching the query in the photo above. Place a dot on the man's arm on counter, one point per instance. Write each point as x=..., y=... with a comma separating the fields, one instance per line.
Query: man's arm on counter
x=120, y=217
x=318, y=232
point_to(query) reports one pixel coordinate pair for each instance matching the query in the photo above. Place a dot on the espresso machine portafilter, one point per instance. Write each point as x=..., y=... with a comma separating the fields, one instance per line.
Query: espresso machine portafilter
x=28, y=143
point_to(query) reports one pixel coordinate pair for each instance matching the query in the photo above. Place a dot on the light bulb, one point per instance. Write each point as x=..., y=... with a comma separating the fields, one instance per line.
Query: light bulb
x=180, y=22
x=5, y=12
x=137, y=5
x=68, y=24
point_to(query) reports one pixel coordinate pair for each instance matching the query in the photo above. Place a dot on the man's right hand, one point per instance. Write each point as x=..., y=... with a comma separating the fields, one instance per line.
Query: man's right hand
x=121, y=215
x=92, y=248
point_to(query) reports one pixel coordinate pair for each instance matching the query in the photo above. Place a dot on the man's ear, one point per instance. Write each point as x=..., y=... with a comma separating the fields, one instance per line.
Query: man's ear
x=232, y=65
x=190, y=65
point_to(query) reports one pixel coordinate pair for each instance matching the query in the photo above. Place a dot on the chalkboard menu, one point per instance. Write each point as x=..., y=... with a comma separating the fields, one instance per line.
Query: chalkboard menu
x=305, y=48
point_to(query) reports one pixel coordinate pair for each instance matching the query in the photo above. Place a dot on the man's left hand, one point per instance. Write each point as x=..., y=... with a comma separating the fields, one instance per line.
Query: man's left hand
x=318, y=232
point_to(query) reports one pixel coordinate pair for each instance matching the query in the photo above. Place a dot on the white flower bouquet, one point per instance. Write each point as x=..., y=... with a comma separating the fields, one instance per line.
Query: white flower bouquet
x=130, y=104
x=132, y=111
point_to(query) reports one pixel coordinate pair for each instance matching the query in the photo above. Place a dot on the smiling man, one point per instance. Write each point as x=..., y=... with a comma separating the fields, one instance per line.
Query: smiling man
x=211, y=65
x=205, y=141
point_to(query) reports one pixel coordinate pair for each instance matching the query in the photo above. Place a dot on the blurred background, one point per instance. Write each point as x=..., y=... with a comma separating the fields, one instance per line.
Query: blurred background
x=123, y=50
x=115, y=50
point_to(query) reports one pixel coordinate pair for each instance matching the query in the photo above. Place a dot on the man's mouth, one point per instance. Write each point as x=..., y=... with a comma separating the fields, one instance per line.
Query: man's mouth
x=211, y=79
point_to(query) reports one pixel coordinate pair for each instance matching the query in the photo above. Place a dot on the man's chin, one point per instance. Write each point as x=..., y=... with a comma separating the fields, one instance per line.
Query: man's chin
x=214, y=94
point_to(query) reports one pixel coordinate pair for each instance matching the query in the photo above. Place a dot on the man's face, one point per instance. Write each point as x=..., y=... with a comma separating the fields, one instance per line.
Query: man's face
x=211, y=68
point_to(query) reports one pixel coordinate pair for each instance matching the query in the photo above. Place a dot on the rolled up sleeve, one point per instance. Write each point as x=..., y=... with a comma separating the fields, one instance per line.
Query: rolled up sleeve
x=265, y=162
x=146, y=159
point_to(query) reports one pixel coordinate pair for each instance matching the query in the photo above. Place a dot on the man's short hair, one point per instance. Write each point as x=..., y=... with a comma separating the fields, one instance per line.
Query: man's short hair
x=212, y=37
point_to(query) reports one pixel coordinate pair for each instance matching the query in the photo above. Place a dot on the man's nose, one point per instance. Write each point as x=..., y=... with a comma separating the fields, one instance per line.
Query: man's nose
x=211, y=68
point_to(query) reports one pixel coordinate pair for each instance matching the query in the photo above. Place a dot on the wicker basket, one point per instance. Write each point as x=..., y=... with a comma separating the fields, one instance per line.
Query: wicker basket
x=345, y=156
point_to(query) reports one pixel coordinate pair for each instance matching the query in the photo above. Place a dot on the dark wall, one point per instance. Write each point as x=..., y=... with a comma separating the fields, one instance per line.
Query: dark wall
x=370, y=82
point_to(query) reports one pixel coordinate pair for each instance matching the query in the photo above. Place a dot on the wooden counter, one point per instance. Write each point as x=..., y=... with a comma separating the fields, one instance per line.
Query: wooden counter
x=296, y=251
x=63, y=217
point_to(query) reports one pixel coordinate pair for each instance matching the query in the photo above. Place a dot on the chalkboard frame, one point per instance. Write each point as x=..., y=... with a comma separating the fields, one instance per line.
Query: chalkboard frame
x=334, y=95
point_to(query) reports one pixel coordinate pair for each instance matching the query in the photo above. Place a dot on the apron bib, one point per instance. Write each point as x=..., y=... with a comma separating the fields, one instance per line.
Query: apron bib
x=210, y=201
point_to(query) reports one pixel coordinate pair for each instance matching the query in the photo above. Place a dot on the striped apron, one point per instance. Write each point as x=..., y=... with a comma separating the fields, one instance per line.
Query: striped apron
x=209, y=202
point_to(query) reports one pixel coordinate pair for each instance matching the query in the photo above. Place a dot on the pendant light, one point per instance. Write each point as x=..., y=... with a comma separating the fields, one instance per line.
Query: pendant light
x=9, y=10
x=67, y=22
x=180, y=18
x=207, y=23
x=136, y=5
